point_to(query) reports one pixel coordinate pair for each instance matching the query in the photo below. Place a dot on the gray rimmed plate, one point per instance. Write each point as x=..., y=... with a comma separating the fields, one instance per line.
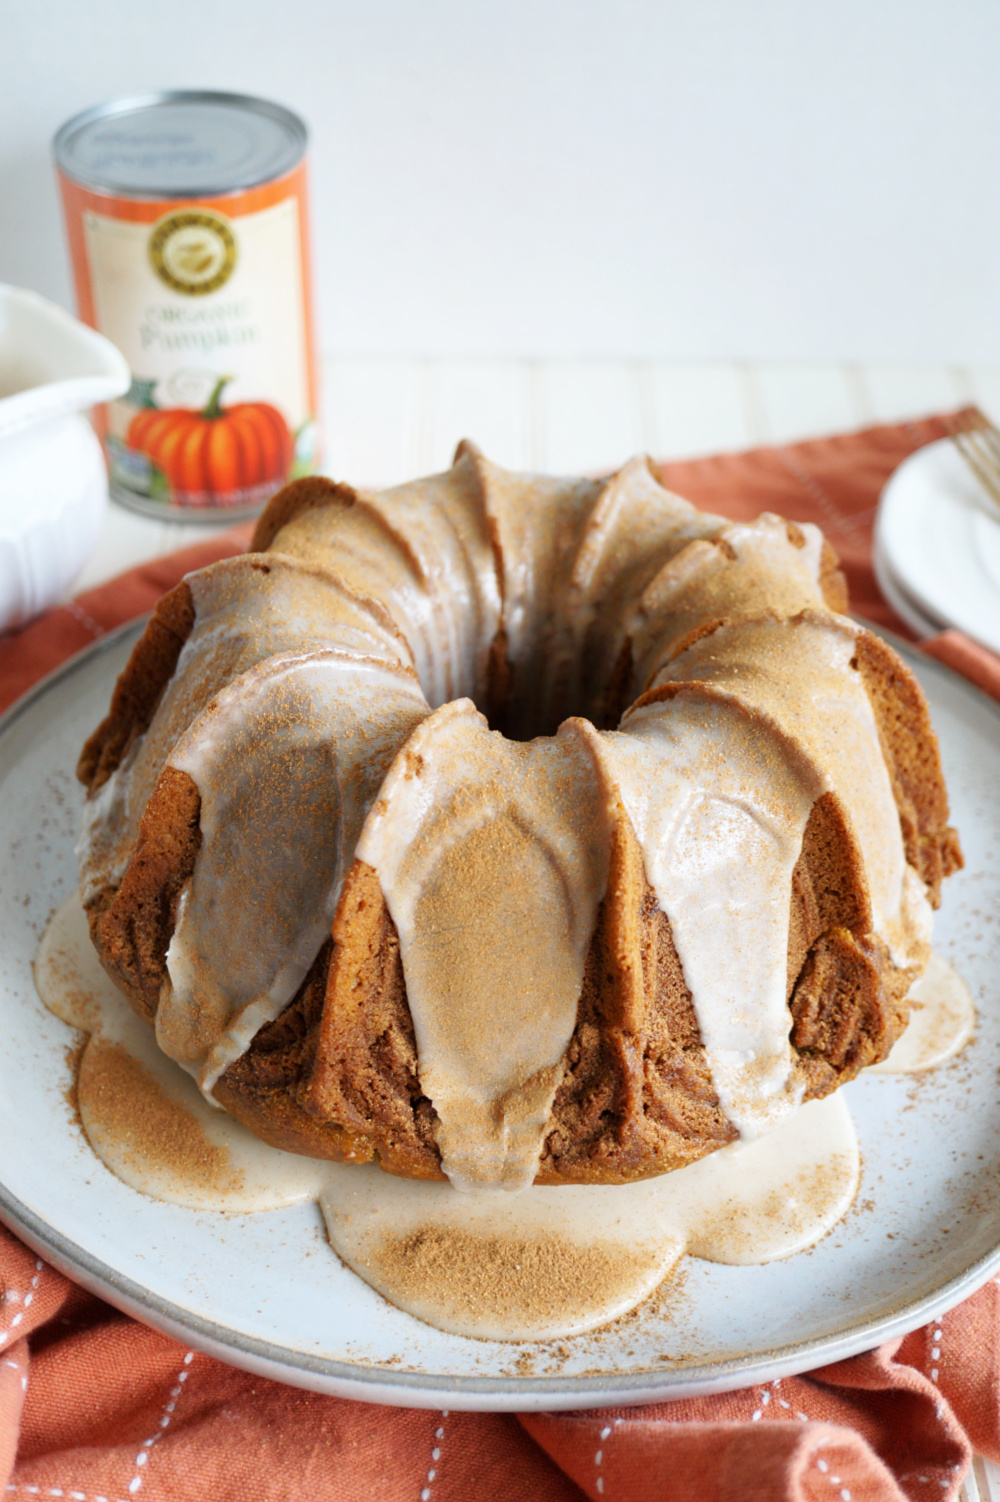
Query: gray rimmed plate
x=265, y=1291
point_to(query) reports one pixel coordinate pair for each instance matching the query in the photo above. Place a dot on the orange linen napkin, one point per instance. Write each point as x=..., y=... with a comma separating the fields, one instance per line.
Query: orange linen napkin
x=96, y=1408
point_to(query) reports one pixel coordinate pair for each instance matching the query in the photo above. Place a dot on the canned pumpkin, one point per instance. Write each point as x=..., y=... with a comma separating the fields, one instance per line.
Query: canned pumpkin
x=186, y=216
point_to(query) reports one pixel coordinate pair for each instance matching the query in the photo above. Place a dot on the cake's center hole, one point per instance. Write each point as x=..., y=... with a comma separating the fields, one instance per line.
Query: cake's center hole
x=527, y=706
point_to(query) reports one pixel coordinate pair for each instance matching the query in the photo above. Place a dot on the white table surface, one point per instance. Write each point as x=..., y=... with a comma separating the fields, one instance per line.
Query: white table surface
x=390, y=420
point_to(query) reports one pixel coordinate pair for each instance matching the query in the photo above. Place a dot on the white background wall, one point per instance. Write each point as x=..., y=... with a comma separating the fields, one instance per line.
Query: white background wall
x=706, y=180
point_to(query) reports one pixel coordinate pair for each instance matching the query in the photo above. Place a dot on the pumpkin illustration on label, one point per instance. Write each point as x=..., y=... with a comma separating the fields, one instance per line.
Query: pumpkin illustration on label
x=218, y=456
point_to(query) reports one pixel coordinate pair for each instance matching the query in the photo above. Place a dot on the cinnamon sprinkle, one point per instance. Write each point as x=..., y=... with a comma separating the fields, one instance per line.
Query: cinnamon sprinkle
x=122, y=1102
x=508, y=1279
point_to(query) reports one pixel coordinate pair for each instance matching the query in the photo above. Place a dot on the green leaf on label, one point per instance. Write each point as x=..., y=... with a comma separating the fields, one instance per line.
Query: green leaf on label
x=140, y=393
x=159, y=485
x=305, y=442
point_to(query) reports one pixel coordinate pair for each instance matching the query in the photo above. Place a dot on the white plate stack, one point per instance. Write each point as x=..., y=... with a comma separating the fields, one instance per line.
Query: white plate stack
x=936, y=549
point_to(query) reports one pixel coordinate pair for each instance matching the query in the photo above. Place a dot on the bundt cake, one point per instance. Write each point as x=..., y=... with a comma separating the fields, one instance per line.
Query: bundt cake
x=515, y=828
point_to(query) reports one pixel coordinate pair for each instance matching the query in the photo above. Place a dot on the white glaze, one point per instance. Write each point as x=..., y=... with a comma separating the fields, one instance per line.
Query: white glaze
x=537, y=540
x=423, y=548
x=812, y=552
x=492, y=985
x=246, y=610
x=584, y=607
x=720, y=839
x=798, y=674
x=737, y=571
x=941, y=1022
x=287, y=760
x=446, y=530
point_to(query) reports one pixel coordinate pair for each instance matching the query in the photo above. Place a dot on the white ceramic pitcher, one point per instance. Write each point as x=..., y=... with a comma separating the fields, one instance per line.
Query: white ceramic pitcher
x=53, y=481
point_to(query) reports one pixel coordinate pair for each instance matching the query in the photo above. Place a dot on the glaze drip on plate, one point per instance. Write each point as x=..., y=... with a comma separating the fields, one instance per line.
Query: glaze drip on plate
x=553, y=1262
x=942, y=1020
x=145, y=1117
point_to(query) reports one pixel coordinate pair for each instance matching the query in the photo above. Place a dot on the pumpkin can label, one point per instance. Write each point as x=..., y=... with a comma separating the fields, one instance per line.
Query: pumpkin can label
x=210, y=312
x=187, y=219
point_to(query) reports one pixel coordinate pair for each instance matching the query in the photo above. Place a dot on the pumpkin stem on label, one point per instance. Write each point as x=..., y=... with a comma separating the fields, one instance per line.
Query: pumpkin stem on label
x=213, y=407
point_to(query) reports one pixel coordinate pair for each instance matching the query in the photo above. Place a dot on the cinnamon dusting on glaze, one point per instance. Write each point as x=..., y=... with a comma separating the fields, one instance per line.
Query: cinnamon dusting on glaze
x=127, y=1115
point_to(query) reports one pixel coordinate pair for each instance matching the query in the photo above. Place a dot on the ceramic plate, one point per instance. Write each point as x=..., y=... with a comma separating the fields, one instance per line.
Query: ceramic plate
x=939, y=538
x=900, y=601
x=266, y=1292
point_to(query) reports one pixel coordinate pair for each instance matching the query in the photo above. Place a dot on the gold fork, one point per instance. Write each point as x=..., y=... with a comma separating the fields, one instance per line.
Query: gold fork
x=978, y=442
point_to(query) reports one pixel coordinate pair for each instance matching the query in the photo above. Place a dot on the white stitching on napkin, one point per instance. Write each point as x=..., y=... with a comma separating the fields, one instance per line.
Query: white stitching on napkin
x=9, y=1361
x=823, y=1466
x=12, y=1296
x=599, y=1456
x=768, y=1391
x=79, y=614
x=606, y=1433
x=834, y=517
x=937, y=1335
x=165, y=1419
x=56, y=1491
x=426, y=1493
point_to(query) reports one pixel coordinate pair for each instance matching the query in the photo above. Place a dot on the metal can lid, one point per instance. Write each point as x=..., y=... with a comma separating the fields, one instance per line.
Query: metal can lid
x=181, y=144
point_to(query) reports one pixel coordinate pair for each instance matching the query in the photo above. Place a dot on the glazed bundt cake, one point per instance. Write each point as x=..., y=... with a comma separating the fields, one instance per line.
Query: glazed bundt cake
x=514, y=828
